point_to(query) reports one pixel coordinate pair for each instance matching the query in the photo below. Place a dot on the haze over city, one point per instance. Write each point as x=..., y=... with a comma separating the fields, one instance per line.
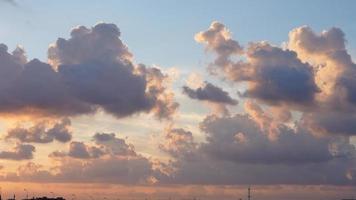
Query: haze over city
x=168, y=99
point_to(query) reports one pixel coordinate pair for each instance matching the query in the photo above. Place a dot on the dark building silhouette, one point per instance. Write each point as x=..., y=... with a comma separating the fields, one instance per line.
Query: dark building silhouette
x=45, y=198
x=36, y=198
x=14, y=198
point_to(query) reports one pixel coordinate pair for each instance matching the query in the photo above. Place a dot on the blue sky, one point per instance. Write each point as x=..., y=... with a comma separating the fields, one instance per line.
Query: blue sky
x=35, y=24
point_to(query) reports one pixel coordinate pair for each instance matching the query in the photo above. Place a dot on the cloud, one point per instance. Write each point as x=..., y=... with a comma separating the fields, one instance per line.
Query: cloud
x=211, y=93
x=113, y=145
x=304, y=39
x=157, y=89
x=91, y=164
x=290, y=147
x=111, y=78
x=314, y=74
x=274, y=75
x=116, y=170
x=41, y=133
x=80, y=150
x=279, y=76
x=218, y=39
x=106, y=144
x=91, y=70
x=113, y=170
x=329, y=122
x=269, y=122
x=20, y=152
x=178, y=142
x=34, y=87
x=295, y=129
x=249, y=156
x=335, y=76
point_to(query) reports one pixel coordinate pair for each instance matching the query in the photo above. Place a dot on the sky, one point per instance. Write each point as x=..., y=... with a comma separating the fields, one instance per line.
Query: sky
x=178, y=99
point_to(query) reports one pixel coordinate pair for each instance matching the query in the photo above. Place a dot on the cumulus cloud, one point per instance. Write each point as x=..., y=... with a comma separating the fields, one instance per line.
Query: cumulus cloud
x=218, y=39
x=290, y=147
x=111, y=80
x=304, y=39
x=19, y=152
x=90, y=70
x=41, y=133
x=330, y=122
x=249, y=156
x=335, y=76
x=270, y=122
x=93, y=69
x=314, y=74
x=80, y=150
x=327, y=53
x=179, y=142
x=113, y=144
x=106, y=144
x=274, y=75
x=92, y=163
x=137, y=170
x=211, y=93
x=34, y=87
x=157, y=88
x=279, y=76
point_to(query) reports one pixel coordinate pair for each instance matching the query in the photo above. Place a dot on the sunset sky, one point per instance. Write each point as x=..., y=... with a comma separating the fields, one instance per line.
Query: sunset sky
x=177, y=99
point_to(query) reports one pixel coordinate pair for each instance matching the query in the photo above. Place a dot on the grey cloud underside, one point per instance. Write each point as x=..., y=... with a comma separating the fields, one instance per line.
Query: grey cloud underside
x=81, y=151
x=40, y=133
x=110, y=171
x=108, y=160
x=19, y=152
x=106, y=144
x=313, y=74
x=291, y=147
x=92, y=69
x=279, y=76
x=248, y=156
x=35, y=86
x=276, y=75
x=211, y=93
x=297, y=157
